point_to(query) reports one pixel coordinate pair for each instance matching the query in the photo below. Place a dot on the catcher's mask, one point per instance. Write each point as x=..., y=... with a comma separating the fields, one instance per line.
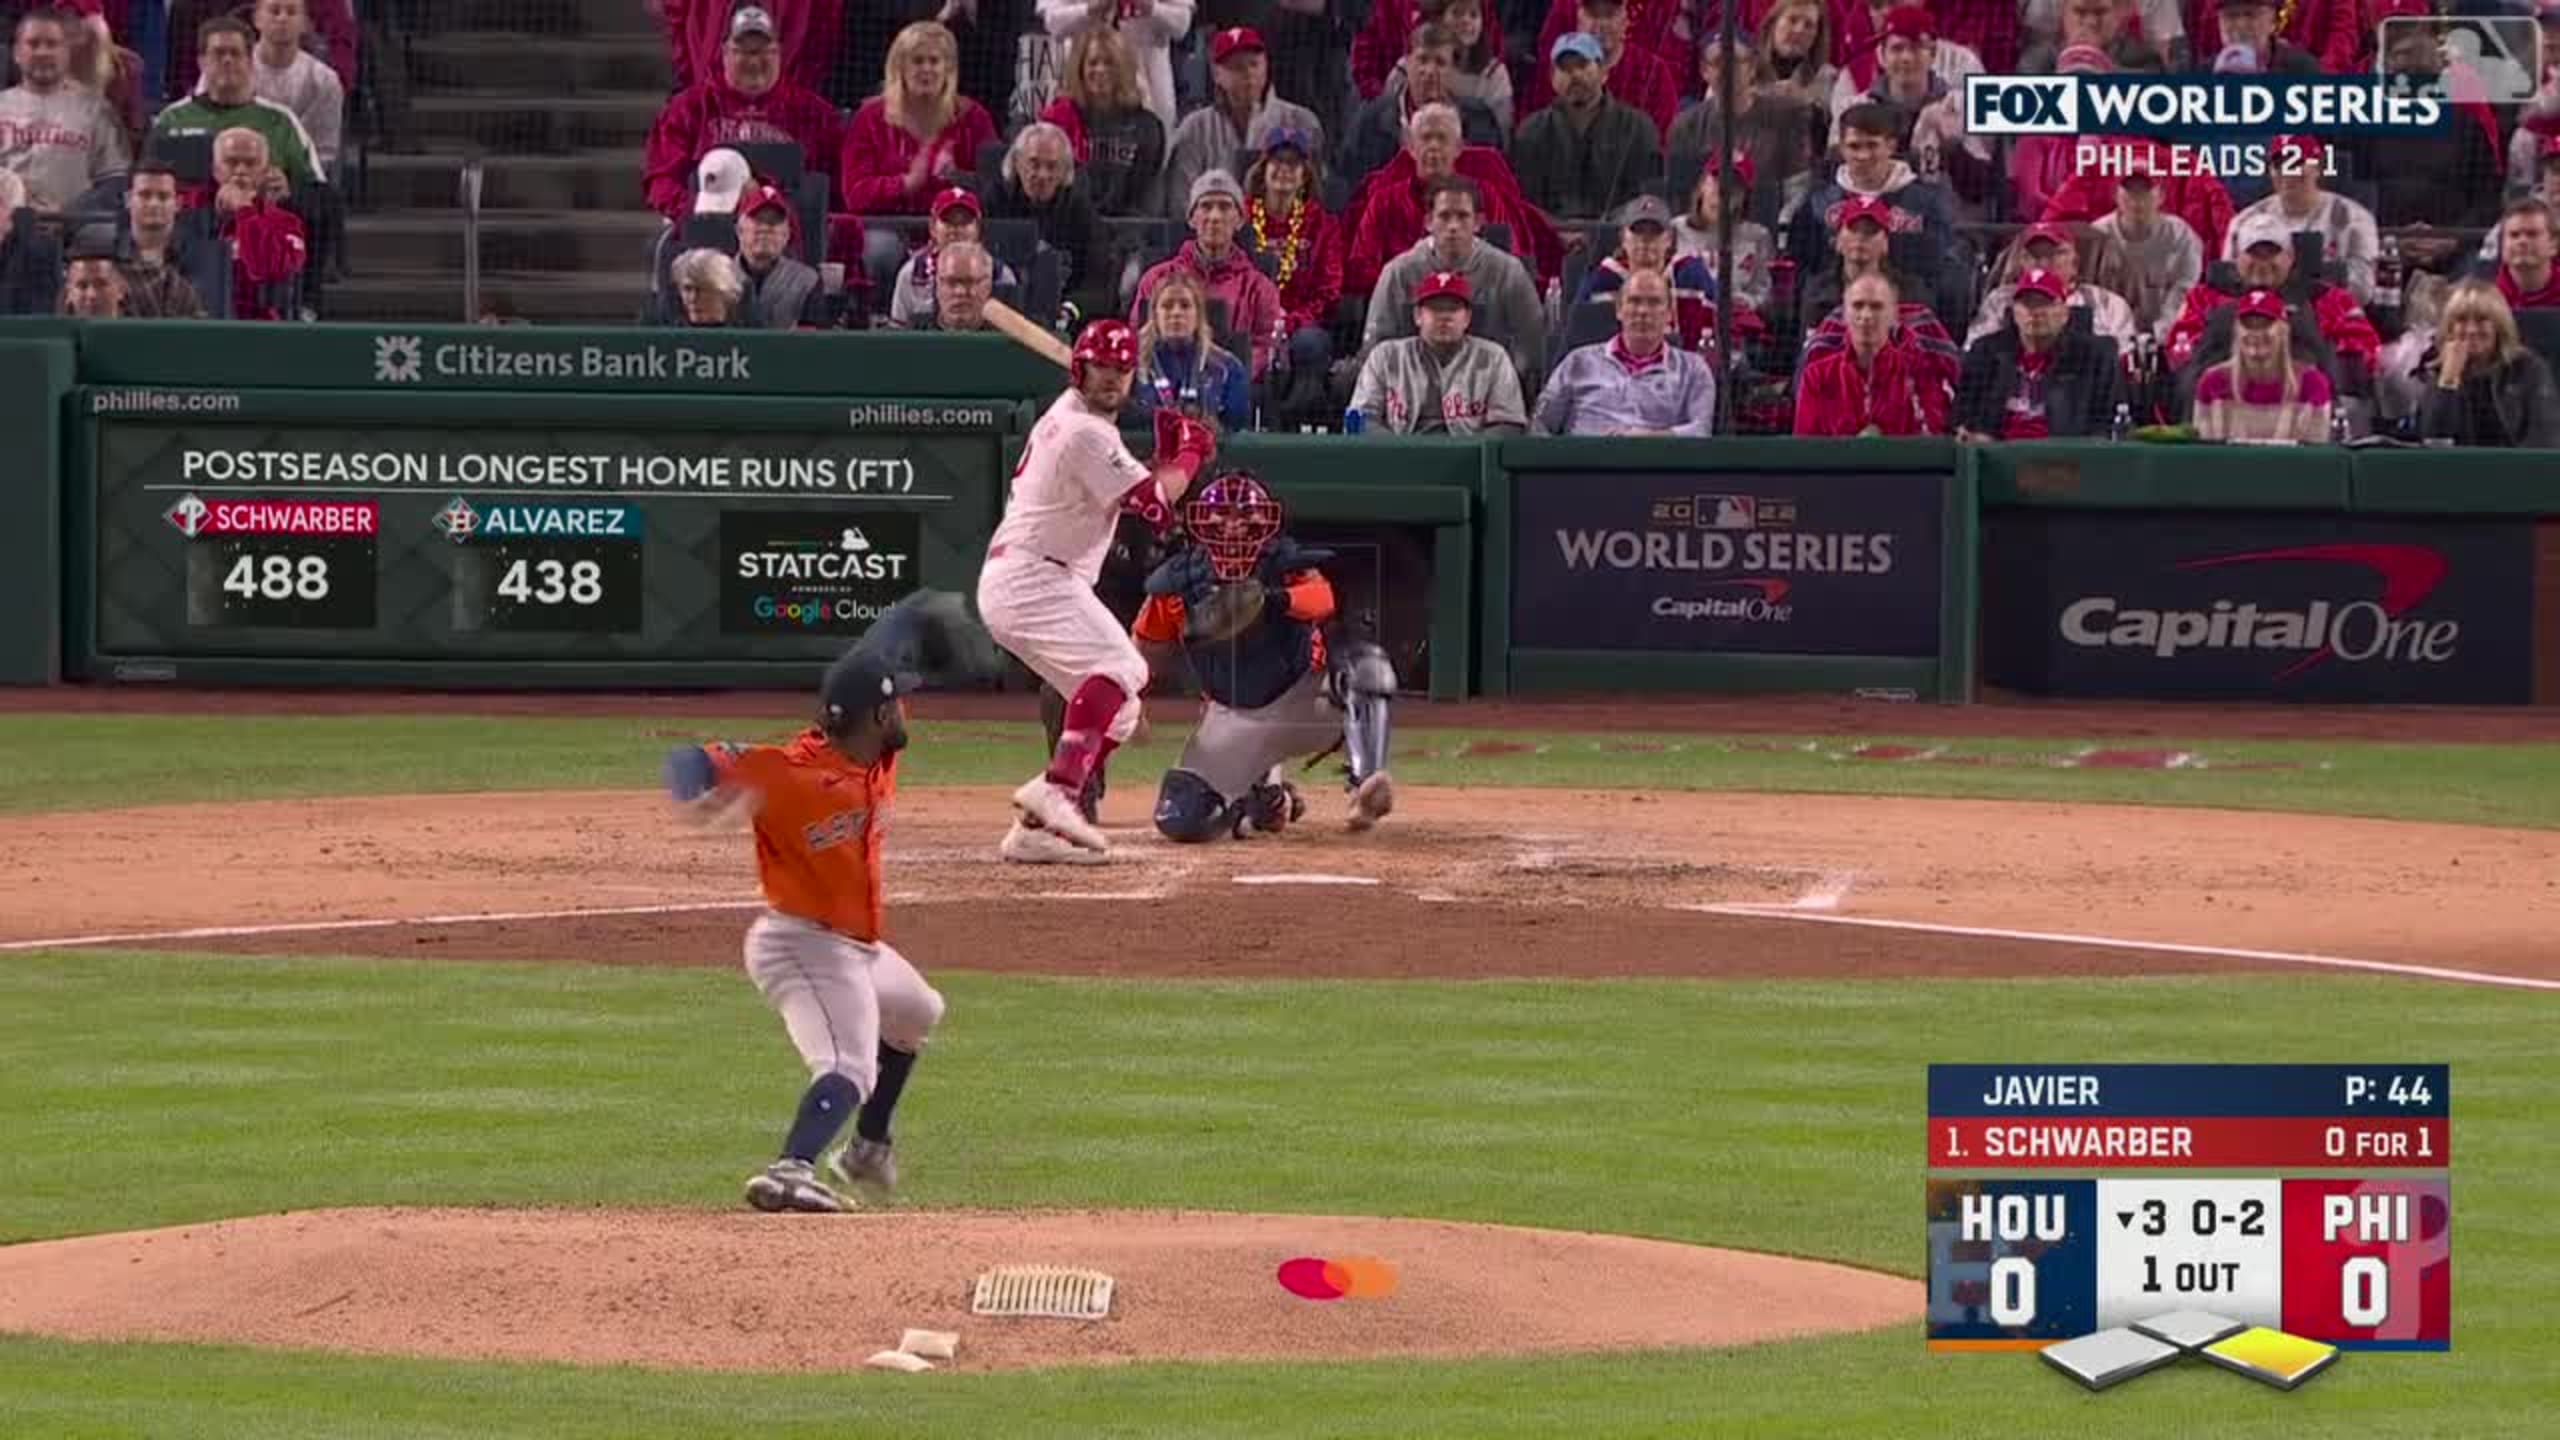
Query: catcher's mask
x=1232, y=517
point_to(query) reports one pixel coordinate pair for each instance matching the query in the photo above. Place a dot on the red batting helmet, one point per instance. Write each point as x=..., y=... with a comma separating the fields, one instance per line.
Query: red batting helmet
x=1232, y=517
x=1111, y=342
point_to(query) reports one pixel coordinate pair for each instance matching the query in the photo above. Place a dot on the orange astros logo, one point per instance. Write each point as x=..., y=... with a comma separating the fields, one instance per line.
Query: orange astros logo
x=1354, y=1277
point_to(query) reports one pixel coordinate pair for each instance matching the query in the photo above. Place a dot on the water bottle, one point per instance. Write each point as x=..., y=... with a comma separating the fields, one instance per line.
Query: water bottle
x=2340, y=431
x=1354, y=421
x=2123, y=425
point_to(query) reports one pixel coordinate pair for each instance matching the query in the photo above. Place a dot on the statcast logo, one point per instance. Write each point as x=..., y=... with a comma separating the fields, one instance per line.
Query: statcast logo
x=851, y=557
x=1756, y=602
x=2356, y=631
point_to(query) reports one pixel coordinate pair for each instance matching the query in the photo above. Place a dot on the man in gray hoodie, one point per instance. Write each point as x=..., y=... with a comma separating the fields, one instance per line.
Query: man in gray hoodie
x=782, y=293
x=1242, y=115
x=1504, y=299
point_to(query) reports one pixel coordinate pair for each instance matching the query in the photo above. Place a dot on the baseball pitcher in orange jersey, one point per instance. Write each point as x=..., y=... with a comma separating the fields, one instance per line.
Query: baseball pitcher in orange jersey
x=857, y=1011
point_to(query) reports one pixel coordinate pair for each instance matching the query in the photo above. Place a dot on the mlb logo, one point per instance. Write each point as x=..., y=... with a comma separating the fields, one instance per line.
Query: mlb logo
x=1728, y=512
x=2022, y=104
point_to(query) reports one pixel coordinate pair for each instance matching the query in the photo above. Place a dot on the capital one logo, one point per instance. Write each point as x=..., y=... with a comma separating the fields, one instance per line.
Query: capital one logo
x=2355, y=631
x=2022, y=104
x=397, y=359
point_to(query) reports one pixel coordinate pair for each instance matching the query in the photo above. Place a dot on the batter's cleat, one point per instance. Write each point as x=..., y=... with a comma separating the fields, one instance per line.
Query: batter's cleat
x=1371, y=799
x=1028, y=844
x=1056, y=810
x=867, y=1165
x=790, y=1185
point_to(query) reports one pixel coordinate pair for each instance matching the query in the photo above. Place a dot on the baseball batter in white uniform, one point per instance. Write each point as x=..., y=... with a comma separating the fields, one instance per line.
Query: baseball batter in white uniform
x=1036, y=591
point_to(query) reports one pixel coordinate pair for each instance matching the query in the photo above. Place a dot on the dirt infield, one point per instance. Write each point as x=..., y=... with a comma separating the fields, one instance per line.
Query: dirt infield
x=1475, y=882
x=696, y=1291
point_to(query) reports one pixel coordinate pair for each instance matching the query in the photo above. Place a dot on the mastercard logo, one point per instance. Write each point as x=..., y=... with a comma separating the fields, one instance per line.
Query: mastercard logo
x=1354, y=1277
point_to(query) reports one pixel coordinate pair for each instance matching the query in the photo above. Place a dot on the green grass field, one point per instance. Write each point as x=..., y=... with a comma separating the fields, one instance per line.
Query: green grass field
x=147, y=1089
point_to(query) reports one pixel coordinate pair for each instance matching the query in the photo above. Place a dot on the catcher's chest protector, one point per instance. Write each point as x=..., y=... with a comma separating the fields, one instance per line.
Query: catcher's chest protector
x=1258, y=666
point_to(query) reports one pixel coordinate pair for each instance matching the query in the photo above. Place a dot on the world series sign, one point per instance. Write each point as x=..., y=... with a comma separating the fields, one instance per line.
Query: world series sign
x=2293, y=1210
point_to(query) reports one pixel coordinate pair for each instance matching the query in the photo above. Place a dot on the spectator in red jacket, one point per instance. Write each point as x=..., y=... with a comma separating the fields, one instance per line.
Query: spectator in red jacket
x=747, y=102
x=1871, y=386
x=1638, y=76
x=2525, y=248
x=246, y=210
x=1390, y=206
x=2264, y=246
x=1859, y=238
x=1283, y=219
x=918, y=135
x=1224, y=269
x=809, y=32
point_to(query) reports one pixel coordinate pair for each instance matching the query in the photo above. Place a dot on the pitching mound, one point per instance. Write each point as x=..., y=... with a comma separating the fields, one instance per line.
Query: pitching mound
x=695, y=1290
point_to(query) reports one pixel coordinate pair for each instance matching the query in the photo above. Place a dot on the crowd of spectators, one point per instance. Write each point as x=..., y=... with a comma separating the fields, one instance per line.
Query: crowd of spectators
x=213, y=199
x=1573, y=216
x=1465, y=215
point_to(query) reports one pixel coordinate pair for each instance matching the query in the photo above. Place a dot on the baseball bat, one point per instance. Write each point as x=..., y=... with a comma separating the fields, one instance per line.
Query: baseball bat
x=1020, y=329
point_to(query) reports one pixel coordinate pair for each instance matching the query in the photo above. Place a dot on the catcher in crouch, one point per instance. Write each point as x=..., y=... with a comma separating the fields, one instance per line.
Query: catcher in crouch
x=1247, y=605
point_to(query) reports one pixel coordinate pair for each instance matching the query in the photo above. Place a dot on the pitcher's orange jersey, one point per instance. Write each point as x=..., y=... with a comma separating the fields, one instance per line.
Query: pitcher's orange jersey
x=818, y=828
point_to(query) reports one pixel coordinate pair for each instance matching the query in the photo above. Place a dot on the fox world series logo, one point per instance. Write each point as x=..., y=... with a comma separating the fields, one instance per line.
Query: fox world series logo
x=2428, y=68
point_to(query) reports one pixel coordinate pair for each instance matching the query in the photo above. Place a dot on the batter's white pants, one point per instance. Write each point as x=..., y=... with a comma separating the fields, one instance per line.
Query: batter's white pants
x=1050, y=620
x=838, y=996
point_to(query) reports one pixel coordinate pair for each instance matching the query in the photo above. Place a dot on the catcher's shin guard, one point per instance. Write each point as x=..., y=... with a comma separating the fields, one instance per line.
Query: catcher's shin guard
x=1363, y=682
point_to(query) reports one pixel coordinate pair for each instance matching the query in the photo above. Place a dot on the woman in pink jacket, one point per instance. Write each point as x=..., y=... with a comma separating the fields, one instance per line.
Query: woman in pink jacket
x=918, y=135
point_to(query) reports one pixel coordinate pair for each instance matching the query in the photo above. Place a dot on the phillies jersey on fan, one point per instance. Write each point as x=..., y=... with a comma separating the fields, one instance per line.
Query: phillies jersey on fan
x=1067, y=491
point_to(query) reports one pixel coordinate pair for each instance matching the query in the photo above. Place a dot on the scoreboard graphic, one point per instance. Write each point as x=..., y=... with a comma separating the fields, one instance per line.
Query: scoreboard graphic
x=2303, y=1204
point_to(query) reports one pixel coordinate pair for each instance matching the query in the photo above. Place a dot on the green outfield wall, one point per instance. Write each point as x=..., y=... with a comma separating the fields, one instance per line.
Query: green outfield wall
x=221, y=504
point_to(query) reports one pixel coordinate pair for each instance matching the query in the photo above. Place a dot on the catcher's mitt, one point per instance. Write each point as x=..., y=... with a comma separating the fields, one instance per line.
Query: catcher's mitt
x=1227, y=612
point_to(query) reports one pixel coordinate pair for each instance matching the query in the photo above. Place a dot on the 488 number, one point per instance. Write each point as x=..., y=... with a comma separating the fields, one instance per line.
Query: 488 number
x=278, y=577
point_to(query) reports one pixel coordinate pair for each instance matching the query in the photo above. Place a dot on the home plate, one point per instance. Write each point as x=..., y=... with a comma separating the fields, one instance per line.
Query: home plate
x=1306, y=879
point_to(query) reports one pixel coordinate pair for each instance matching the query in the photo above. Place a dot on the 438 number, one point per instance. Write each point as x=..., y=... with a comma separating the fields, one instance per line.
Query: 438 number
x=278, y=577
x=551, y=582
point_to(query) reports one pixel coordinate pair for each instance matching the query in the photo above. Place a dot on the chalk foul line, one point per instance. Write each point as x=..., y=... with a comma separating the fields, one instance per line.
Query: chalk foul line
x=1792, y=911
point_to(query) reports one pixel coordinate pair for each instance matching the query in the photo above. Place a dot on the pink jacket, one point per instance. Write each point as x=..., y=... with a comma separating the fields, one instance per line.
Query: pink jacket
x=1253, y=302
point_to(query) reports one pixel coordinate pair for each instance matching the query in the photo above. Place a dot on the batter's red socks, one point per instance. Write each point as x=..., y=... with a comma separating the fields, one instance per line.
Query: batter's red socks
x=1085, y=740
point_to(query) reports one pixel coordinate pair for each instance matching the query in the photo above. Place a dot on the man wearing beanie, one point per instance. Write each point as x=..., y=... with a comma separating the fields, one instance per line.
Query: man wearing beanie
x=1225, y=272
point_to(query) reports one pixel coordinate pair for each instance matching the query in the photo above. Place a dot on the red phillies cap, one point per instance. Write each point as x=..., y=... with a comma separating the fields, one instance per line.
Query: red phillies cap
x=1449, y=283
x=1228, y=42
x=1910, y=22
x=2039, y=281
x=2261, y=305
x=2047, y=232
x=762, y=198
x=1745, y=173
x=956, y=197
x=1863, y=207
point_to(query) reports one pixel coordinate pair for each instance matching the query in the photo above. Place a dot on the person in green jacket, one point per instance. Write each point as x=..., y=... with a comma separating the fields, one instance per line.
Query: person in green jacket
x=226, y=98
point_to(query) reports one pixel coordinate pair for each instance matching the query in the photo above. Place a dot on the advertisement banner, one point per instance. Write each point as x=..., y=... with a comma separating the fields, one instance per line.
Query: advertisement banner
x=1806, y=564
x=273, y=538
x=2259, y=607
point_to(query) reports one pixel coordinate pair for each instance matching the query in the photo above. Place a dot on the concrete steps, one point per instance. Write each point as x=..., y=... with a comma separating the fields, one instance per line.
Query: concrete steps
x=541, y=64
x=546, y=297
x=509, y=239
x=583, y=180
